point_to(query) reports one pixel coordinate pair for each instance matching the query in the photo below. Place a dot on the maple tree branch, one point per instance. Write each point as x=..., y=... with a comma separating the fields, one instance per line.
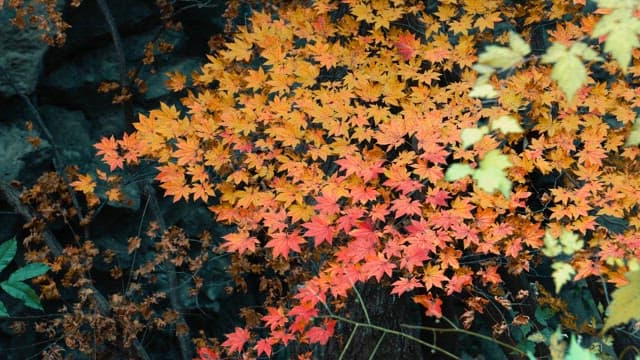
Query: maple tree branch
x=122, y=59
x=375, y=349
x=393, y=332
x=182, y=328
x=361, y=301
x=466, y=332
x=12, y=196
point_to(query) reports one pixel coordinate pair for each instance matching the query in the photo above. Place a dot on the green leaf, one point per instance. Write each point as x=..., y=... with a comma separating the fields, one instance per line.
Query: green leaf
x=517, y=44
x=625, y=303
x=28, y=272
x=22, y=291
x=562, y=273
x=499, y=57
x=471, y=136
x=506, y=124
x=622, y=29
x=551, y=247
x=620, y=43
x=3, y=310
x=483, y=91
x=490, y=175
x=570, y=242
x=570, y=73
x=457, y=171
x=7, y=252
x=577, y=352
x=634, y=135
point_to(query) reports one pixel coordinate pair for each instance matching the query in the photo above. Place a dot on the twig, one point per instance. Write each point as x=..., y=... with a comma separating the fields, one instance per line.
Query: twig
x=466, y=332
x=12, y=196
x=122, y=59
x=394, y=332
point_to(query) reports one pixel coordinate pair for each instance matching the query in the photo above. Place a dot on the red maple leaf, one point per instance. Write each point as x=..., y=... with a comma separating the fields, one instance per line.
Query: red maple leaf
x=281, y=243
x=433, y=306
x=236, y=340
x=320, y=229
x=377, y=266
x=264, y=346
x=319, y=334
x=207, y=354
x=404, y=285
x=407, y=46
x=275, y=318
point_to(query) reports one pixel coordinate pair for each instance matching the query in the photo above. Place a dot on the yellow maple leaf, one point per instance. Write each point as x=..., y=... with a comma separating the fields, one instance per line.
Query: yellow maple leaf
x=84, y=184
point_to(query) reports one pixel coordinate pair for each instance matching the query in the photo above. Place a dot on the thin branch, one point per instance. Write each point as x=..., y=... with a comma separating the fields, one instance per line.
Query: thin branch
x=394, y=332
x=466, y=332
x=122, y=59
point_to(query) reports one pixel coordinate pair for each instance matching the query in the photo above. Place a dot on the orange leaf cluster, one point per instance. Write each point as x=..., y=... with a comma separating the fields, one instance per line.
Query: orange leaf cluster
x=318, y=136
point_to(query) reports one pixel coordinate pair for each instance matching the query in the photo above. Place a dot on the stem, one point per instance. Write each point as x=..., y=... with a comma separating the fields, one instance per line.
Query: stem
x=122, y=60
x=466, y=332
x=375, y=349
x=394, y=332
x=344, y=350
x=364, y=308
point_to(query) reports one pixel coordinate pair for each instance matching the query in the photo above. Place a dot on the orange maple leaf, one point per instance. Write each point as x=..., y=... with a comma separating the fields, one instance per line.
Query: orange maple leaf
x=240, y=242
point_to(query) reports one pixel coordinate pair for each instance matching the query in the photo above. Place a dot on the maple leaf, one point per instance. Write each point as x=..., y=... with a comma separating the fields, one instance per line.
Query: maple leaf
x=281, y=243
x=377, y=266
x=264, y=346
x=319, y=334
x=236, y=340
x=240, y=242
x=175, y=81
x=108, y=148
x=407, y=46
x=85, y=184
x=207, y=354
x=433, y=276
x=433, y=306
x=320, y=229
x=404, y=285
x=274, y=318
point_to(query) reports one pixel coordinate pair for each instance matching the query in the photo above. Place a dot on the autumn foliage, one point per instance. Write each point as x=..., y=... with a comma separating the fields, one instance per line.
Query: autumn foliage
x=324, y=134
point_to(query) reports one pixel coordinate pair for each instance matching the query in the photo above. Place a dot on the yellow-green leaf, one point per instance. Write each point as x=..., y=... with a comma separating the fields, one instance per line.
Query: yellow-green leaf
x=634, y=135
x=570, y=242
x=570, y=73
x=562, y=273
x=490, y=175
x=483, y=91
x=551, y=247
x=517, y=44
x=620, y=43
x=471, y=136
x=625, y=303
x=506, y=124
x=457, y=171
x=499, y=57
